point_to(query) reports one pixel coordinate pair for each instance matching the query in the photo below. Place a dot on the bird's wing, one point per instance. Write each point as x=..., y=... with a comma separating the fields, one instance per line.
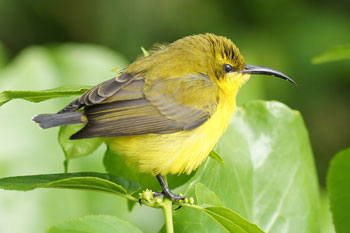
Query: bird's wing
x=145, y=106
x=100, y=92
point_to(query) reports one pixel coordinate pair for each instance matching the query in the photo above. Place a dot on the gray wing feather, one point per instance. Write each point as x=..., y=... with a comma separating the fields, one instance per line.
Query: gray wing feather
x=100, y=92
x=130, y=112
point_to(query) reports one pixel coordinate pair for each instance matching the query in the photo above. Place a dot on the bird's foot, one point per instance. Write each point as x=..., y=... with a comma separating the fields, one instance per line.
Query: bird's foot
x=155, y=199
x=177, y=199
x=167, y=193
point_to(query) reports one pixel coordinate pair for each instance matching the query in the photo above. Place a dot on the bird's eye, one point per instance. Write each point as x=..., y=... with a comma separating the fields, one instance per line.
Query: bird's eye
x=228, y=68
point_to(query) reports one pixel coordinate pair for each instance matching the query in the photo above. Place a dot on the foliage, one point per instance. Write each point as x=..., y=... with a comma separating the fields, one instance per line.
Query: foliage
x=268, y=177
x=75, y=148
x=286, y=44
x=38, y=96
x=95, y=224
x=265, y=145
x=85, y=181
x=213, y=207
x=338, y=185
x=341, y=52
x=261, y=175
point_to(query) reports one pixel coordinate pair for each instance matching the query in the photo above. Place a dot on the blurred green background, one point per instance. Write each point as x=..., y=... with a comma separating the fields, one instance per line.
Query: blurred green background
x=36, y=52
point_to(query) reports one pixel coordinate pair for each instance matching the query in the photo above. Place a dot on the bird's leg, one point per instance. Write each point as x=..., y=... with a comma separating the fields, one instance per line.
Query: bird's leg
x=166, y=191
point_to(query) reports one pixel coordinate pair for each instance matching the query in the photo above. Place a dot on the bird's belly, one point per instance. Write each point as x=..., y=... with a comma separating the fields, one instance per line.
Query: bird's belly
x=175, y=153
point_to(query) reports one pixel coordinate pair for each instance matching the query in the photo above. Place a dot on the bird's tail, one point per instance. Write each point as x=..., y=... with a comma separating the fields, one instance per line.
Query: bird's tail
x=57, y=119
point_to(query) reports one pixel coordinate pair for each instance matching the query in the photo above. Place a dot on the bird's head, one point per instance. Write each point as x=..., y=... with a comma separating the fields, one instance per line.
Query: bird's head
x=222, y=61
x=207, y=54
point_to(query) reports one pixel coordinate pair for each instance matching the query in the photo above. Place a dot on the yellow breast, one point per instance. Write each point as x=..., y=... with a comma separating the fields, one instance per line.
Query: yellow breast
x=180, y=152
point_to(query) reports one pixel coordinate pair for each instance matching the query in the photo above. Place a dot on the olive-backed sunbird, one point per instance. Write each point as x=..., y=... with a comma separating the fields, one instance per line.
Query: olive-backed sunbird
x=165, y=112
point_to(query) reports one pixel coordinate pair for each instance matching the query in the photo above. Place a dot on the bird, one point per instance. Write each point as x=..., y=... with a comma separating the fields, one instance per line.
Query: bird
x=166, y=111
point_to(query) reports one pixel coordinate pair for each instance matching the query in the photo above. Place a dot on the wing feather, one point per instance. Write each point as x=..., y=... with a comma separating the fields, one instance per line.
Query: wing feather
x=143, y=107
x=100, y=92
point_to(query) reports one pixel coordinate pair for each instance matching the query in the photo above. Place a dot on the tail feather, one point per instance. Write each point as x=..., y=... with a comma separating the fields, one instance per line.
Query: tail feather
x=57, y=119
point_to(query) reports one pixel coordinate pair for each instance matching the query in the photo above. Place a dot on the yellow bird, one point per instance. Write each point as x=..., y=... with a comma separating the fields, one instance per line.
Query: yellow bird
x=165, y=112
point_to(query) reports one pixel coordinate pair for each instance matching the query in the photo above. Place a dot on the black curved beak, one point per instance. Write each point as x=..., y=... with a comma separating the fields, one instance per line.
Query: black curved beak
x=250, y=69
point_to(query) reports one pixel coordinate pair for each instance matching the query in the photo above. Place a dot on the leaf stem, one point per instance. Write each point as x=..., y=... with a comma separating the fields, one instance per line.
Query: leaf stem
x=168, y=215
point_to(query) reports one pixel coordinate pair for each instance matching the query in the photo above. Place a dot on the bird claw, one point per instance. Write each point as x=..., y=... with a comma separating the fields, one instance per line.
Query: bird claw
x=149, y=197
x=174, y=197
x=158, y=194
x=170, y=195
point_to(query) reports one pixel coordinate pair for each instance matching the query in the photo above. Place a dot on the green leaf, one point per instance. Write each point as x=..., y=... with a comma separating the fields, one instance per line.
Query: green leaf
x=38, y=96
x=227, y=219
x=338, y=185
x=76, y=148
x=131, y=205
x=338, y=53
x=116, y=165
x=84, y=180
x=39, y=68
x=210, y=204
x=231, y=221
x=95, y=224
x=205, y=197
x=327, y=225
x=269, y=177
x=216, y=157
